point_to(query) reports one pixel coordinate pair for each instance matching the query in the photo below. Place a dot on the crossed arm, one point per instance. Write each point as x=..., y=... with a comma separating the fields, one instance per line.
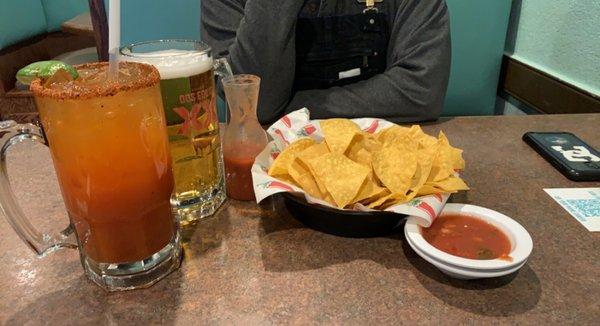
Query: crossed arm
x=258, y=37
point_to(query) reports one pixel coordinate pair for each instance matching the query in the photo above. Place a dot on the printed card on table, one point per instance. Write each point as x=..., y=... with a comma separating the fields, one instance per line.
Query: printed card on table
x=582, y=203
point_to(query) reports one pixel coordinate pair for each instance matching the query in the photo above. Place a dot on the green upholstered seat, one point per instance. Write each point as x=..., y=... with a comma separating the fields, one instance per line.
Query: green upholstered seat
x=59, y=11
x=23, y=19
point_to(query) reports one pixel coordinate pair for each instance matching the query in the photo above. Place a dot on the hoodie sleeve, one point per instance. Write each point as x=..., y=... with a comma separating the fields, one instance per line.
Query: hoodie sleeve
x=257, y=37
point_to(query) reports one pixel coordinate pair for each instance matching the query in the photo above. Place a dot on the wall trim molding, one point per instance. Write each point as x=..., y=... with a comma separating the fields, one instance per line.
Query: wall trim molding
x=543, y=92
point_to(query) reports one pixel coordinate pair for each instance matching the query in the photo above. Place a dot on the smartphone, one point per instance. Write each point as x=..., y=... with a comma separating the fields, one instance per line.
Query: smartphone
x=570, y=155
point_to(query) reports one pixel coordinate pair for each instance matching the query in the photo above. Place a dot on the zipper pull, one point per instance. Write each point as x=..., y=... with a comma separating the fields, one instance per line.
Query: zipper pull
x=370, y=6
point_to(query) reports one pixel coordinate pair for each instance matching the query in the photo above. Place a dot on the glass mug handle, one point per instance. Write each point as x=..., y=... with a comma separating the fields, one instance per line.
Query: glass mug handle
x=222, y=70
x=12, y=133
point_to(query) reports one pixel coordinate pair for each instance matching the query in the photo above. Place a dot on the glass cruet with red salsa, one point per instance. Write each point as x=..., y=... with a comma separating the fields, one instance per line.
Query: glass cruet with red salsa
x=244, y=136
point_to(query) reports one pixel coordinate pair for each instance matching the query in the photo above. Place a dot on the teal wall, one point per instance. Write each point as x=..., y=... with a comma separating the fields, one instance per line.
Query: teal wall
x=561, y=38
x=144, y=20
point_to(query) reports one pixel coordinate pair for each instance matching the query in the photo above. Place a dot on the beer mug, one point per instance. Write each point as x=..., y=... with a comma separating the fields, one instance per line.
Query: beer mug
x=187, y=72
x=108, y=142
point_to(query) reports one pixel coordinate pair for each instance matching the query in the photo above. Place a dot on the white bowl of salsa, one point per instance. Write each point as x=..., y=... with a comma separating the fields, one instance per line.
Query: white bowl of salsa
x=464, y=273
x=471, y=239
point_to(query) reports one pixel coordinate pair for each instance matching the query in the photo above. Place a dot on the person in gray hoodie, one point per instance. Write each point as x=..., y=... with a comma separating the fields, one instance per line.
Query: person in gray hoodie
x=339, y=58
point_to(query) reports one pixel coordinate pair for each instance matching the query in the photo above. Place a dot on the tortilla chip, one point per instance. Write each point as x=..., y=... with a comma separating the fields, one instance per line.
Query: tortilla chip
x=357, y=152
x=384, y=193
x=386, y=135
x=380, y=201
x=426, y=141
x=395, y=166
x=284, y=160
x=453, y=155
x=288, y=179
x=447, y=161
x=451, y=184
x=400, y=136
x=427, y=189
x=339, y=133
x=370, y=142
x=397, y=199
x=425, y=157
x=341, y=176
x=302, y=175
x=312, y=152
x=368, y=190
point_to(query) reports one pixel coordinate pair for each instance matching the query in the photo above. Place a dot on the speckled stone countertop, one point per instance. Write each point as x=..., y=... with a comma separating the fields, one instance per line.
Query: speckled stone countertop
x=253, y=264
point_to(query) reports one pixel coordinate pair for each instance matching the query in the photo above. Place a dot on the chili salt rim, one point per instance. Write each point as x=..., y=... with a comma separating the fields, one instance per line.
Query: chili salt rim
x=147, y=78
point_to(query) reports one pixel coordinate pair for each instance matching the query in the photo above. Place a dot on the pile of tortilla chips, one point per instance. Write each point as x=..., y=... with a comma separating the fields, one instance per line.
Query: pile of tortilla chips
x=377, y=170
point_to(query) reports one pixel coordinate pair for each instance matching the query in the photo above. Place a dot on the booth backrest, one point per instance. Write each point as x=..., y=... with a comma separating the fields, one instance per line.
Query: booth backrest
x=23, y=19
x=20, y=20
x=58, y=11
x=478, y=36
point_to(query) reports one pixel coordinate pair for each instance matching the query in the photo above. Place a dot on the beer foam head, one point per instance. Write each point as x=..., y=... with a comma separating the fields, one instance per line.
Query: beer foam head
x=175, y=63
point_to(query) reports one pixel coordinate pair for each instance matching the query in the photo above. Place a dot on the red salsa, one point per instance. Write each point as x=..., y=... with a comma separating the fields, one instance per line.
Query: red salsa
x=467, y=237
x=239, y=177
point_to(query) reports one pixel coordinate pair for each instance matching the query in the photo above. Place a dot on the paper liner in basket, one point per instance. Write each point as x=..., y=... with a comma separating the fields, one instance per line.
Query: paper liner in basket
x=297, y=125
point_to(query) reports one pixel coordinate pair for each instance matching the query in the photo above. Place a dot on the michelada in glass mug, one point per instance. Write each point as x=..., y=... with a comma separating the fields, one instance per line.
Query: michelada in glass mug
x=108, y=139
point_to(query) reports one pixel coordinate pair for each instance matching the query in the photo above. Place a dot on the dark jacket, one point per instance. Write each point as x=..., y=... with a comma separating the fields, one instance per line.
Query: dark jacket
x=258, y=37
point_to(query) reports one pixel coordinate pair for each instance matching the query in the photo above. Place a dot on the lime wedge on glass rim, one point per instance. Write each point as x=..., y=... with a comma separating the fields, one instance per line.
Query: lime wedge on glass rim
x=44, y=70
